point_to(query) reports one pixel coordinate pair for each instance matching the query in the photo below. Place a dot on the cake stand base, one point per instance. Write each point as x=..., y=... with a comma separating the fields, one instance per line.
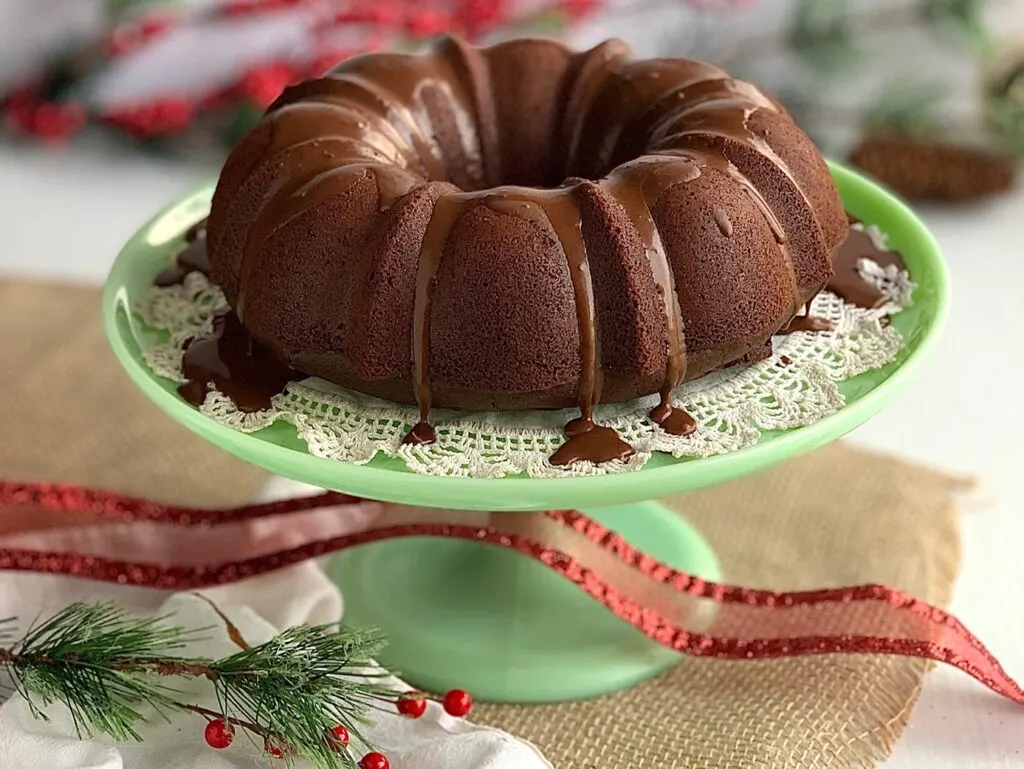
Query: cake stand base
x=505, y=628
x=491, y=621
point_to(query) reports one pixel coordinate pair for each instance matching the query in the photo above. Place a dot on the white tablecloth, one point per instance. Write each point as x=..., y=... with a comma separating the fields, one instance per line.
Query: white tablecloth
x=259, y=608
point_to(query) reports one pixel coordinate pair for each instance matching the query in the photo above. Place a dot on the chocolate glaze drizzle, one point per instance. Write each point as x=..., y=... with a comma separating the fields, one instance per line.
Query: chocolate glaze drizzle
x=594, y=444
x=586, y=440
x=846, y=281
x=233, y=362
x=558, y=212
x=230, y=359
x=807, y=322
x=446, y=211
x=636, y=186
x=723, y=221
x=197, y=230
x=373, y=117
x=193, y=258
x=672, y=419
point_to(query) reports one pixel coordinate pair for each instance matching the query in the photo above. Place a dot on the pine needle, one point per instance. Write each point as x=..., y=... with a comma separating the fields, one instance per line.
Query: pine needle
x=85, y=657
x=109, y=670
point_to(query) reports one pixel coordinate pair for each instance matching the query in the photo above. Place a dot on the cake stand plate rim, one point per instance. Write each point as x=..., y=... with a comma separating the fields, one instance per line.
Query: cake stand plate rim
x=862, y=197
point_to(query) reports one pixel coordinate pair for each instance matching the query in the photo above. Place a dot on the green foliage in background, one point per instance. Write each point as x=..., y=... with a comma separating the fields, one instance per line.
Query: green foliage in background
x=907, y=106
x=825, y=35
x=1004, y=105
x=822, y=34
x=962, y=18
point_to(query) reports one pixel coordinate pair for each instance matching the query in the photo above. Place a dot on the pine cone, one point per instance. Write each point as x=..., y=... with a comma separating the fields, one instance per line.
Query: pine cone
x=931, y=170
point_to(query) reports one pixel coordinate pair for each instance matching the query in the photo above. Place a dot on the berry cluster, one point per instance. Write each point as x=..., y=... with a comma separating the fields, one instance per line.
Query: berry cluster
x=456, y=702
x=220, y=732
x=34, y=110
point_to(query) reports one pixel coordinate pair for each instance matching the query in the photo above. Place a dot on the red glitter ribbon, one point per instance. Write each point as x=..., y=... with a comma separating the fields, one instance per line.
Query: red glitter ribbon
x=682, y=612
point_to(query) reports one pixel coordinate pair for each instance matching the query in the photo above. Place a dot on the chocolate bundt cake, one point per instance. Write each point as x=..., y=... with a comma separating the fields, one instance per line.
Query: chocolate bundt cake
x=522, y=226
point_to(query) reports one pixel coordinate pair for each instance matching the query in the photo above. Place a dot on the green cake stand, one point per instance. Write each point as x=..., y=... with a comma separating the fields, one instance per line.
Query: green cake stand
x=486, y=619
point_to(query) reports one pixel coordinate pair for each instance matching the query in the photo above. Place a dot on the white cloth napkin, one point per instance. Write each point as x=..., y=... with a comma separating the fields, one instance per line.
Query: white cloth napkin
x=259, y=607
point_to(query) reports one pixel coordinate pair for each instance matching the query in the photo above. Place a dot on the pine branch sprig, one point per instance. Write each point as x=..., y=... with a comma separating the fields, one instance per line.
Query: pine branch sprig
x=98, y=662
x=303, y=693
x=302, y=683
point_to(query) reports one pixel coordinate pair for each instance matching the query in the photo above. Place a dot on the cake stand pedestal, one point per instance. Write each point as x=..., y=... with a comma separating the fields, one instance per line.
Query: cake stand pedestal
x=484, y=618
x=503, y=626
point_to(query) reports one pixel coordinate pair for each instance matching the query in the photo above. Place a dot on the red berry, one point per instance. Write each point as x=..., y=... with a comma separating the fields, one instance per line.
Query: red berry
x=211, y=101
x=25, y=94
x=57, y=121
x=154, y=25
x=219, y=734
x=412, y=705
x=265, y=83
x=121, y=41
x=22, y=117
x=339, y=738
x=374, y=761
x=577, y=9
x=273, y=749
x=476, y=16
x=457, y=702
x=236, y=8
x=428, y=23
x=174, y=114
x=384, y=13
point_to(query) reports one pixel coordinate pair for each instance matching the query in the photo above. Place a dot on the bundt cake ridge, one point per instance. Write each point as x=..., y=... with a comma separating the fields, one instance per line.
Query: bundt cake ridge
x=522, y=227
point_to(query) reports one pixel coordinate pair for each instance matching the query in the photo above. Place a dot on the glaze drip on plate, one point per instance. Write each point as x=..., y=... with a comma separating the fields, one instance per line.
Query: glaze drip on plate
x=847, y=282
x=193, y=258
x=197, y=230
x=235, y=364
x=807, y=322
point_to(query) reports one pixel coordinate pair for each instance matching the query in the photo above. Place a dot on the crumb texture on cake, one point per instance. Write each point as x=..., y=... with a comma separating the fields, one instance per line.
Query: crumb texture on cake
x=521, y=226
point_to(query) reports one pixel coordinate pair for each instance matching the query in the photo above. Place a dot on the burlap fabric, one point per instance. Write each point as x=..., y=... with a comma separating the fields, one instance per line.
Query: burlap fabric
x=69, y=413
x=836, y=517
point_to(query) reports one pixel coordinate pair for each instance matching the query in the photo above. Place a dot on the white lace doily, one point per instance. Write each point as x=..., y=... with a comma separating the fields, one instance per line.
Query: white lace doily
x=795, y=387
